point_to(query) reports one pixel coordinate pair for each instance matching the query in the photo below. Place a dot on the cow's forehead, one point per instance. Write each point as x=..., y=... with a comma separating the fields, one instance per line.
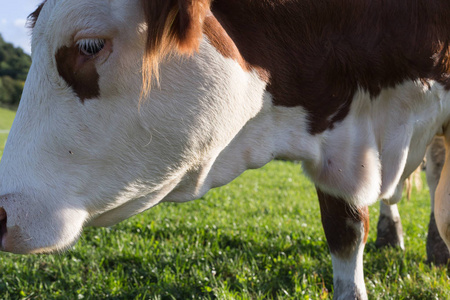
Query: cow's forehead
x=60, y=25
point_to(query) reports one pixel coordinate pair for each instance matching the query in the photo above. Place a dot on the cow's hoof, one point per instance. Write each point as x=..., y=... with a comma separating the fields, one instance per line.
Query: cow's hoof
x=437, y=251
x=389, y=233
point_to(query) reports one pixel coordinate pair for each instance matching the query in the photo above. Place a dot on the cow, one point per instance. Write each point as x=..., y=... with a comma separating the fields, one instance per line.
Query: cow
x=132, y=103
x=389, y=227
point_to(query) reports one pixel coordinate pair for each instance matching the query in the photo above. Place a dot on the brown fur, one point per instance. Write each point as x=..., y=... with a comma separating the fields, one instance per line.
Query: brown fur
x=82, y=76
x=337, y=215
x=172, y=25
x=319, y=52
x=220, y=39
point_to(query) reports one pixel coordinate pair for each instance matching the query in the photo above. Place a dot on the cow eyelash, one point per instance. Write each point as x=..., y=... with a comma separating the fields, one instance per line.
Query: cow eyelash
x=91, y=47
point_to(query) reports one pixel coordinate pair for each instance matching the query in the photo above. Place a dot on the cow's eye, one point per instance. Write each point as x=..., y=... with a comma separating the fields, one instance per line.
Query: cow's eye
x=90, y=47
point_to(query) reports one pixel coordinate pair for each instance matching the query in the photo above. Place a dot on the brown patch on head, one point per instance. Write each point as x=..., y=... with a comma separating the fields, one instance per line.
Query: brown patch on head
x=32, y=18
x=172, y=25
x=81, y=75
x=319, y=53
x=220, y=40
x=340, y=222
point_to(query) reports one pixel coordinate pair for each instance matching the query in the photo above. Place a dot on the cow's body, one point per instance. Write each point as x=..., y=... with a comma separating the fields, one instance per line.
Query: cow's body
x=356, y=90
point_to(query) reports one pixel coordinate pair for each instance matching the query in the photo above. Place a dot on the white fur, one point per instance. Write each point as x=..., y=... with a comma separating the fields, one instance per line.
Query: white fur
x=379, y=143
x=348, y=273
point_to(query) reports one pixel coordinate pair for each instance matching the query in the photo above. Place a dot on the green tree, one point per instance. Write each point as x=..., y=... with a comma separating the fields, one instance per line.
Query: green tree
x=10, y=90
x=14, y=66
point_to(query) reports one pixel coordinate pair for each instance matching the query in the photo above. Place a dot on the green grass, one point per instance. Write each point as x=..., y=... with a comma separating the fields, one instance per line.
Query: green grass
x=259, y=237
x=6, y=119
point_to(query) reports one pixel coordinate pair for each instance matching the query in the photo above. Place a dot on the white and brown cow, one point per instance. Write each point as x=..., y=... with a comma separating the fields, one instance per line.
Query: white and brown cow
x=132, y=103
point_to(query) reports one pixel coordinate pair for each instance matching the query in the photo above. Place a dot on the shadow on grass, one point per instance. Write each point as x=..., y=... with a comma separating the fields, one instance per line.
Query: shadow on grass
x=224, y=262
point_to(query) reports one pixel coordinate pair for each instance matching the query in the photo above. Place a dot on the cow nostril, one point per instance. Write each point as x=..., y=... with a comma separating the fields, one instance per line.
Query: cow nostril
x=3, y=219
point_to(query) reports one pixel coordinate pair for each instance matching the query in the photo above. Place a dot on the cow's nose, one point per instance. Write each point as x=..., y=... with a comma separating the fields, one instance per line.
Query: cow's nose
x=3, y=219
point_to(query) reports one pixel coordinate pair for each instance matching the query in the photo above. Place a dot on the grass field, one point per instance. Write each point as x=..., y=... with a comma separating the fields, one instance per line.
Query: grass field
x=259, y=237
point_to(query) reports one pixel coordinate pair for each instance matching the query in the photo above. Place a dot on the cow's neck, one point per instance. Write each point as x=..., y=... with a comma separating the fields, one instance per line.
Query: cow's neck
x=360, y=147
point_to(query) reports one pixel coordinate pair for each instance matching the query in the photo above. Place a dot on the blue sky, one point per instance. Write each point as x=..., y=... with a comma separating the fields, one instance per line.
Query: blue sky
x=13, y=15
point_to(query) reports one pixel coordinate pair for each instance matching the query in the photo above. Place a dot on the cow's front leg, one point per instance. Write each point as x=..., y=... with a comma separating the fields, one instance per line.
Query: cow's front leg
x=346, y=229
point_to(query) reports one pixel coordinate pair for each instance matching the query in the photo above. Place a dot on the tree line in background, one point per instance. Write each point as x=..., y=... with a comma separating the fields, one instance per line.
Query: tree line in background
x=14, y=66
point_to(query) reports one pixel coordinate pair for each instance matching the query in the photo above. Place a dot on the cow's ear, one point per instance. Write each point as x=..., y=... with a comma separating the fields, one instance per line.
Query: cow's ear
x=174, y=25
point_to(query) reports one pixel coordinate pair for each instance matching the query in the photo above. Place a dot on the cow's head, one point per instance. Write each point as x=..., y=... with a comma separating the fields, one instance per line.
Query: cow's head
x=92, y=143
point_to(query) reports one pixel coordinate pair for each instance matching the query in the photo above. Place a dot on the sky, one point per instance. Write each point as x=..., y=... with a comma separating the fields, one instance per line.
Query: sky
x=13, y=16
